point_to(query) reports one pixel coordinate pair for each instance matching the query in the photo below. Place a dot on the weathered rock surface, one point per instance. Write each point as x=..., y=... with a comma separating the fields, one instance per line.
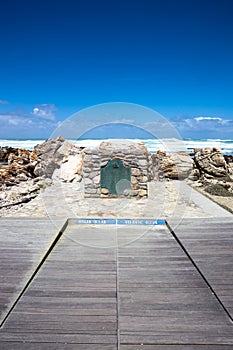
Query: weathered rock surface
x=172, y=166
x=50, y=155
x=5, y=151
x=70, y=169
x=15, y=196
x=24, y=173
x=59, y=159
x=210, y=162
x=213, y=172
x=19, y=165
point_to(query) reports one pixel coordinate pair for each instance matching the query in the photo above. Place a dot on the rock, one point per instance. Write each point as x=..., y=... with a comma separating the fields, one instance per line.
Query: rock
x=10, y=173
x=133, y=180
x=93, y=174
x=130, y=193
x=51, y=155
x=5, y=151
x=70, y=168
x=210, y=161
x=28, y=172
x=135, y=172
x=96, y=179
x=104, y=191
x=22, y=177
x=19, y=165
x=91, y=191
x=87, y=181
x=33, y=157
x=215, y=175
x=142, y=162
x=34, y=188
x=78, y=178
x=142, y=193
x=19, y=193
x=143, y=179
x=135, y=186
x=194, y=175
x=88, y=158
x=47, y=148
x=103, y=163
x=173, y=166
x=13, y=158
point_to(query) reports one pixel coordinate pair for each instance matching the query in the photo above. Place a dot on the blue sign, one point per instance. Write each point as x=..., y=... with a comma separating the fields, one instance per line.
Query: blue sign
x=93, y=221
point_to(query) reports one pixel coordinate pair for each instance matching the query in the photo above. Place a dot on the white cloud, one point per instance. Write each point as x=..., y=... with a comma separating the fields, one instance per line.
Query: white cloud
x=203, y=126
x=45, y=111
x=12, y=119
x=212, y=119
x=21, y=125
x=207, y=118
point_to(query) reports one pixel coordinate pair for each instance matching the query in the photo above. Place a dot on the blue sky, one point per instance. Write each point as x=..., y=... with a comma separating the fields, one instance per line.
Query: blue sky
x=174, y=56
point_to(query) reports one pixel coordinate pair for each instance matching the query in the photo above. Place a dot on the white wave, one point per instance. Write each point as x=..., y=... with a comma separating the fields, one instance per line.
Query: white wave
x=153, y=145
x=24, y=144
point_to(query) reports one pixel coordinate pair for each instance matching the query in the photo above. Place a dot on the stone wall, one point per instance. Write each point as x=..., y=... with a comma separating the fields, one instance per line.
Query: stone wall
x=133, y=155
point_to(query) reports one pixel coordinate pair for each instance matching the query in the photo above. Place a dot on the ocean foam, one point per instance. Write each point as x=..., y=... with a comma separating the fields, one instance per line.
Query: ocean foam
x=153, y=145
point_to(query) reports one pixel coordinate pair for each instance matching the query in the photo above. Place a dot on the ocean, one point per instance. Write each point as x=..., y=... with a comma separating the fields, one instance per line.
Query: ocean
x=153, y=145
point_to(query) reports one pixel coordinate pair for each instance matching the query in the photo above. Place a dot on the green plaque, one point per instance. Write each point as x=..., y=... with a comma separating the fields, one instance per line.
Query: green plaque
x=115, y=177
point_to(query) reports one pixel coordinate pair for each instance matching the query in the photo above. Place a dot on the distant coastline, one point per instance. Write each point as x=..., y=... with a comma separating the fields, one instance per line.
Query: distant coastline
x=153, y=145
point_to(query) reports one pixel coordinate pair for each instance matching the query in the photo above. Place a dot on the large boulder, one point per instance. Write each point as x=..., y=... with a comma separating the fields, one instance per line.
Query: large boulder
x=59, y=159
x=24, y=173
x=215, y=172
x=210, y=162
x=50, y=155
x=71, y=167
x=172, y=165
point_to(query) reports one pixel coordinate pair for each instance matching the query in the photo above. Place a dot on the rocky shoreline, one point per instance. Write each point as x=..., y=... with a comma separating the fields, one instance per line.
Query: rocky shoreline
x=24, y=174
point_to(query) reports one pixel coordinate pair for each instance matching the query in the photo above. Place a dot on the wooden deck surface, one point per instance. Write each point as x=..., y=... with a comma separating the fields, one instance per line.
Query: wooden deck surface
x=23, y=244
x=126, y=287
x=210, y=244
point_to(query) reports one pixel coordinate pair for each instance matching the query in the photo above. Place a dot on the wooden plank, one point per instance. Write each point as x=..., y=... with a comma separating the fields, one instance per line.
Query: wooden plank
x=114, y=288
x=176, y=347
x=169, y=303
x=57, y=346
x=73, y=298
x=56, y=337
x=23, y=243
x=210, y=244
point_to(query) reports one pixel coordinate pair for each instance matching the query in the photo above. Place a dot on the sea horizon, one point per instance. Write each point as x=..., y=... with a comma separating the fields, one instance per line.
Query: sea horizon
x=153, y=145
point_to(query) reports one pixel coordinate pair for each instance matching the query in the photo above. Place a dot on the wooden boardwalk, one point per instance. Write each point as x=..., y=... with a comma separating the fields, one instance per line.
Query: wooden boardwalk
x=120, y=287
x=23, y=244
x=209, y=242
